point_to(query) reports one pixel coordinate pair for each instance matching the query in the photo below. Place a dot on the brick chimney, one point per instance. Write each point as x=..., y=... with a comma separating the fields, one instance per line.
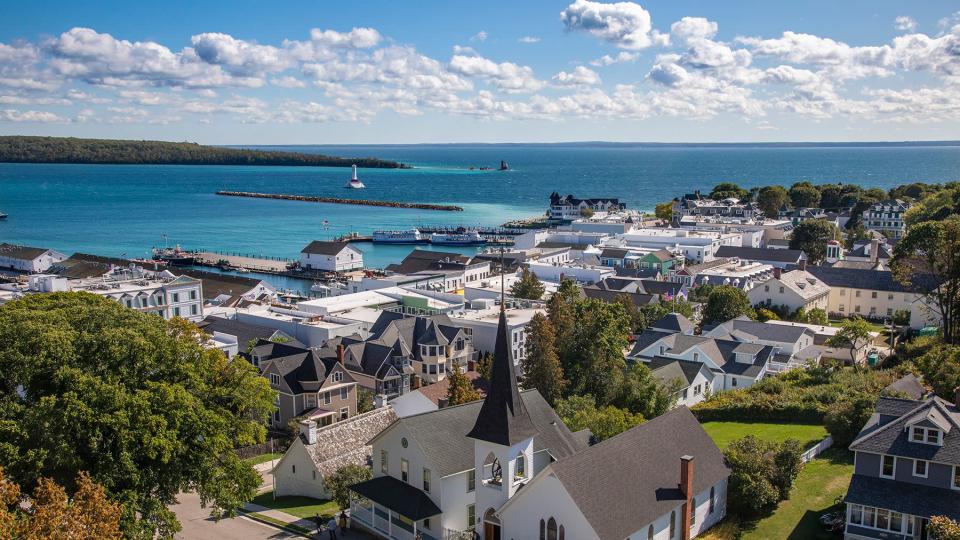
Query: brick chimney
x=777, y=271
x=874, y=250
x=308, y=430
x=686, y=487
x=340, y=350
x=802, y=264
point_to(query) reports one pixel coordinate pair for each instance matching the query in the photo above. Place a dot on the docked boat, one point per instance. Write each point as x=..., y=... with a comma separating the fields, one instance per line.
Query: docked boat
x=355, y=182
x=175, y=256
x=241, y=270
x=467, y=238
x=3, y=216
x=411, y=236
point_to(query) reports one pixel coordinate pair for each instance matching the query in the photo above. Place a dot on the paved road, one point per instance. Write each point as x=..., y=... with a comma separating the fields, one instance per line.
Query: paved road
x=197, y=524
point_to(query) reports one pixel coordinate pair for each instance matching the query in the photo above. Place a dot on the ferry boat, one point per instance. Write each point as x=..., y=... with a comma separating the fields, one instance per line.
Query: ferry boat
x=355, y=182
x=468, y=238
x=175, y=256
x=411, y=236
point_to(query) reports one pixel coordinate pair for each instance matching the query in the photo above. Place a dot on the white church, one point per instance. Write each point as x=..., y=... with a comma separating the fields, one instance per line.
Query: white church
x=507, y=468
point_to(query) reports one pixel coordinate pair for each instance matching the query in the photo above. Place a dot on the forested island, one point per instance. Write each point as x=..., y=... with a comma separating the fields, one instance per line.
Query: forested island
x=23, y=149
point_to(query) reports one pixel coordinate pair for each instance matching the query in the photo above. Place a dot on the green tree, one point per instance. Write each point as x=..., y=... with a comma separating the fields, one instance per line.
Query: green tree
x=854, y=334
x=761, y=474
x=580, y=412
x=901, y=317
x=771, y=199
x=461, y=388
x=845, y=418
x=600, y=337
x=586, y=213
x=484, y=365
x=830, y=196
x=787, y=464
x=943, y=528
x=764, y=315
x=364, y=400
x=804, y=195
x=643, y=394
x=927, y=259
x=541, y=365
x=725, y=303
x=560, y=311
x=811, y=237
x=338, y=483
x=726, y=190
x=528, y=287
x=138, y=402
x=664, y=211
x=817, y=316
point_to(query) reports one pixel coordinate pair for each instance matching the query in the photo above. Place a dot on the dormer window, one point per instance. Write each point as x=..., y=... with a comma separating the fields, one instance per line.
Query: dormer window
x=926, y=435
x=274, y=379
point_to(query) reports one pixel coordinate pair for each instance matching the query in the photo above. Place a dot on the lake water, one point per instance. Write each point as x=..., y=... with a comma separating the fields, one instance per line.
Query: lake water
x=126, y=209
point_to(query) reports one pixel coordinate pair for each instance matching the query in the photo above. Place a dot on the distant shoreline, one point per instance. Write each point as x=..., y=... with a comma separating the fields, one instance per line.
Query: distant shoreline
x=614, y=144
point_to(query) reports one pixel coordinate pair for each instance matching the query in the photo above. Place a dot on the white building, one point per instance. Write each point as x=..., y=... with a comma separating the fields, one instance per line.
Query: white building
x=482, y=326
x=519, y=473
x=694, y=246
x=331, y=256
x=794, y=289
x=887, y=217
x=568, y=207
x=28, y=259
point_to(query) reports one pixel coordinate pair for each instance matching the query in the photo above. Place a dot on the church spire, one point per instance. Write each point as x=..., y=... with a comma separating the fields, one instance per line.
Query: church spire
x=503, y=418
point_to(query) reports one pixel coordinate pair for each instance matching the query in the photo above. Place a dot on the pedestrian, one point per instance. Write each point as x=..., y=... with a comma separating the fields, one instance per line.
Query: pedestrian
x=332, y=528
x=319, y=521
x=343, y=520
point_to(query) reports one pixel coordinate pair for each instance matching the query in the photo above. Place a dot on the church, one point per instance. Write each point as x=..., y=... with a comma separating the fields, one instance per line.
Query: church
x=507, y=468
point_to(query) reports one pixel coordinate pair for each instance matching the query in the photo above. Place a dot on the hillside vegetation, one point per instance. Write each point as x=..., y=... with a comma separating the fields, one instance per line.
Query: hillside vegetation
x=21, y=149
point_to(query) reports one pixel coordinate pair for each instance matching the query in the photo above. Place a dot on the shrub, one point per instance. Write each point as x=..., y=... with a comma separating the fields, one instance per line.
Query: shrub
x=943, y=528
x=844, y=419
x=338, y=484
x=762, y=473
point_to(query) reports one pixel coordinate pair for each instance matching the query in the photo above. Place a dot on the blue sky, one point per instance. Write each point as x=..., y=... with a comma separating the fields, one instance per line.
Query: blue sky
x=406, y=72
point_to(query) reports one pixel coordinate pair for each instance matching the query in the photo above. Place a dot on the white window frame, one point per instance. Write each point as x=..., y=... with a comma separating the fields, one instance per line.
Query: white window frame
x=926, y=468
x=894, y=472
x=344, y=392
x=955, y=481
x=337, y=376
x=275, y=379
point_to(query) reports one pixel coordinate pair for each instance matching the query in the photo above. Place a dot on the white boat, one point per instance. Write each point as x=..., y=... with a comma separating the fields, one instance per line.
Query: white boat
x=411, y=236
x=468, y=238
x=355, y=182
x=3, y=216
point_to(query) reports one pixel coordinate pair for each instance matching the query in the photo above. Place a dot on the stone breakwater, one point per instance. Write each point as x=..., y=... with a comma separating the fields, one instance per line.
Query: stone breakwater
x=336, y=200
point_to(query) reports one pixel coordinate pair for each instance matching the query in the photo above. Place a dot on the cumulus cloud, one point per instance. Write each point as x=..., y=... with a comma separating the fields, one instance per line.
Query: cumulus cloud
x=480, y=36
x=13, y=115
x=529, y=39
x=239, y=57
x=624, y=24
x=288, y=82
x=580, y=76
x=506, y=76
x=622, y=57
x=906, y=23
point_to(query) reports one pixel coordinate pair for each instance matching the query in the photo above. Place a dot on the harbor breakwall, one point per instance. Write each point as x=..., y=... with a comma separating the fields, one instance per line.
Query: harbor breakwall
x=337, y=200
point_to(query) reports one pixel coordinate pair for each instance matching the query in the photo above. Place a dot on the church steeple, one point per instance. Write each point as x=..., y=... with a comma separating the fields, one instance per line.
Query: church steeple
x=503, y=419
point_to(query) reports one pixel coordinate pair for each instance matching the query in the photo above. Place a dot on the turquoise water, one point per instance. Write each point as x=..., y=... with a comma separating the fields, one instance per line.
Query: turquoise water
x=125, y=209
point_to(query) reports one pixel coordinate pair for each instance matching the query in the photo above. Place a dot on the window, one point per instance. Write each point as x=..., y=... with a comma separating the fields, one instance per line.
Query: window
x=326, y=398
x=384, y=467
x=176, y=297
x=920, y=468
x=521, y=467
x=856, y=514
x=338, y=376
x=873, y=294
x=693, y=512
x=193, y=295
x=696, y=356
x=889, y=296
x=426, y=523
x=472, y=515
x=314, y=474
x=471, y=480
x=843, y=292
x=404, y=470
x=193, y=309
x=781, y=290
x=733, y=381
x=543, y=530
x=956, y=477
x=712, y=499
x=842, y=308
x=426, y=480
x=344, y=413
x=766, y=288
x=888, y=466
x=925, y=435
x=344, y=391
x=650, y=532
x=673, y=523
x=294, y=469
x=857, y=308
x=176, y=312
x=274, y=379
x=552, y=529
x=561, y=537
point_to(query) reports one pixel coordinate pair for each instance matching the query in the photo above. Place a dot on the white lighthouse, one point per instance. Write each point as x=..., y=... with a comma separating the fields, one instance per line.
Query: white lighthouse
x=355, y=182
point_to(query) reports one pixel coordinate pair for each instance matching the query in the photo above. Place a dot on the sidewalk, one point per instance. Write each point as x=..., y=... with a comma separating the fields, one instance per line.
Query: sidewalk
x=305, y=527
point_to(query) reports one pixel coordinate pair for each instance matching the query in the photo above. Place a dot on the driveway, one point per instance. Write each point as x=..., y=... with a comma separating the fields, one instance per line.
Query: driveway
x=198, y=525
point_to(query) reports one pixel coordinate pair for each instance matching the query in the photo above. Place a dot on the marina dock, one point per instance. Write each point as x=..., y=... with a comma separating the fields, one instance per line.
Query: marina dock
x=337, y=200
x=254, y=264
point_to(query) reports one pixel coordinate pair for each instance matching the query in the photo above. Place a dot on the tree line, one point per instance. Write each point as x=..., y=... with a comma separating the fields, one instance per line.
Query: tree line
x=23, y=149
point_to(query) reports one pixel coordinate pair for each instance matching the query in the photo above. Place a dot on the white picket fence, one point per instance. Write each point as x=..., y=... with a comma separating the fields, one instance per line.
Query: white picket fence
x=817, y=449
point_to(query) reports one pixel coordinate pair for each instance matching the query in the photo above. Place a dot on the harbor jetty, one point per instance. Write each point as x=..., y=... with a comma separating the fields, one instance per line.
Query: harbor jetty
x=337, y=200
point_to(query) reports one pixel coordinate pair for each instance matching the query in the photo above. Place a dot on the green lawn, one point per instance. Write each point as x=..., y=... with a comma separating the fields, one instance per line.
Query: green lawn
x=263, y=458
x=723, y=433
x=814, y=492
x=302, y=507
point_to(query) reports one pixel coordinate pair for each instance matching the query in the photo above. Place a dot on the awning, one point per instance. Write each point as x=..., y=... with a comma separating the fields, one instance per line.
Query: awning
x=398, y=496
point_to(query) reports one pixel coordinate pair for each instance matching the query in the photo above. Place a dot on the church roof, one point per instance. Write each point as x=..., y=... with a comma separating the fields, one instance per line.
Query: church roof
x=503, y=417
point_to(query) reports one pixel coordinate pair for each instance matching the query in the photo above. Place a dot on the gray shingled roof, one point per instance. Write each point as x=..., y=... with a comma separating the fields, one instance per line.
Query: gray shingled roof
x=744, y=328
x=909, y=384
x=891, y=438
x=903, y=497
x=626, y=482
x=320, y=247
x=245, y=332
x=673, y=322
x=668, y=369
x=25, y=253
x=398, y=496
x=855, y=278
x=760, y=254
x=443, y=433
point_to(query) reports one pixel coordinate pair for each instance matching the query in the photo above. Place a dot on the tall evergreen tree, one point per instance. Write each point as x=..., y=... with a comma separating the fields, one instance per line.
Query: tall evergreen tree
x=529, y=287
x=541, y=366
x=461, y=388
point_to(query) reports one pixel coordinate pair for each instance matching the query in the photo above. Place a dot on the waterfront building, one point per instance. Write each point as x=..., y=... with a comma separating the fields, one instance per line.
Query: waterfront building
x=694, y=246
x=694, y=204
x=28, y=259
x=887, y=217
x=331, y=256
x=569, y=208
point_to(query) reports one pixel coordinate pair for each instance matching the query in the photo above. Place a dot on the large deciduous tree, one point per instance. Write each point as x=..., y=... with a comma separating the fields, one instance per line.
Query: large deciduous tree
x=771, y=199
x=811, y=237
x=89, y=385
x=600, y=338
x=541, y=365
x=725, y=303
x=927, y=259
x=804, y=195
x=726, y=190
x=664, y=211
x=854, y=334
x=582, y=412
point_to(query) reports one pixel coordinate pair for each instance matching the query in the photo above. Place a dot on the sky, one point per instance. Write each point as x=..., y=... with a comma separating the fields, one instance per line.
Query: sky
x=387, y=71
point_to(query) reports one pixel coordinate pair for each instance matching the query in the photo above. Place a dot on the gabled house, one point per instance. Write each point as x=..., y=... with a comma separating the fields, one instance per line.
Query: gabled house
x=875, y=294
x=307, y=385
x=28, y=259
x=693, y=379
x=794, y=289
x=906, y=469
x=331, y=256
x=794, y=346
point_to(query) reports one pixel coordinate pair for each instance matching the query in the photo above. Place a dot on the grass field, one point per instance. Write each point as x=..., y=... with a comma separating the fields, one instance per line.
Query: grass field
x=262, y=458
x=723, y=433
x=814, y=491
x=302, y=507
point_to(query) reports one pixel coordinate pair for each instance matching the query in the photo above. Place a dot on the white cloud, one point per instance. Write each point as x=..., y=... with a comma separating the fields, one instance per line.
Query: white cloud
x=622, y=57
x=624, y=24
x=690, y=29
x=12, y=115
x=529, y=39
x=239, y=57
x=480, y=36
x=580, y=76
x=906, y=23
x=506, y=76
x=288, y=82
